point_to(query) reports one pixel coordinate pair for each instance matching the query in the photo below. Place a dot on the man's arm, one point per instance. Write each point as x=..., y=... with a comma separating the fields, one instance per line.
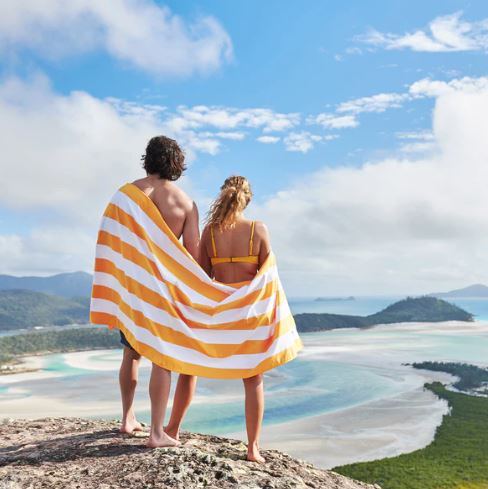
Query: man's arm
x=191, y=232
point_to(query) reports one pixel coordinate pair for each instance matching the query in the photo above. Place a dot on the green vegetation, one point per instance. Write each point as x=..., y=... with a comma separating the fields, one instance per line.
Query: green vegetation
x=456, y=459
x=26, y=308
x=419, y=309
x=92, y=338
x=470, y=376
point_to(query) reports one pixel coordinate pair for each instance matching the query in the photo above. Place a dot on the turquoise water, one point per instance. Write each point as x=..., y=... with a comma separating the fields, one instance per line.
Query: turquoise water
x=362, y=306
x=337, y=370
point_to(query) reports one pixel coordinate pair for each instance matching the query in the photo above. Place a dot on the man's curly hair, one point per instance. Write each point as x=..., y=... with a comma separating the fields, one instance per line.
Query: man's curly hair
x=164, y=157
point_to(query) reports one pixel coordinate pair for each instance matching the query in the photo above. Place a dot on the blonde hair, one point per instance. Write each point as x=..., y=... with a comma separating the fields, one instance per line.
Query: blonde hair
x=235, y=195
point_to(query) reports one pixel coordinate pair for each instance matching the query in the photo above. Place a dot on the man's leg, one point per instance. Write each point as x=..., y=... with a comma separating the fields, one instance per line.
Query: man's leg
x=254, y=415
x=181, y=402
x=128, y=375
x=159, y=392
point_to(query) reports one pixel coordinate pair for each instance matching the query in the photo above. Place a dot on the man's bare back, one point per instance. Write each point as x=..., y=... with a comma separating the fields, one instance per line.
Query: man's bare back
x=178, y=210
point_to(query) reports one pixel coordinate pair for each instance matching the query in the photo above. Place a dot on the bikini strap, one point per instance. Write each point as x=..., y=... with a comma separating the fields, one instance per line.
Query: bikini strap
x=213, y=241
x=251, y=238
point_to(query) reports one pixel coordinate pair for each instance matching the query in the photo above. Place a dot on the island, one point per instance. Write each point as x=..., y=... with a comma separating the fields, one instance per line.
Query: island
x=418, y=309
x=472, y=291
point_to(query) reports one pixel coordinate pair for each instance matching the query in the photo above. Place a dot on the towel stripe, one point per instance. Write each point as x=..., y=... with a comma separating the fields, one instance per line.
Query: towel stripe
x=147, y=285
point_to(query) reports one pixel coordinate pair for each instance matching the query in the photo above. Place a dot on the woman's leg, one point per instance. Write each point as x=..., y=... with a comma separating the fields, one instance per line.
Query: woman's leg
x=159, y=385
x=254, y=415
x=128, y=375
x=181, y=402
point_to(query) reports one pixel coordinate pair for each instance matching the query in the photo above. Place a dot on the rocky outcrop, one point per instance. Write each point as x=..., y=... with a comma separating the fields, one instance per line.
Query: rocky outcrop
x=73, y=453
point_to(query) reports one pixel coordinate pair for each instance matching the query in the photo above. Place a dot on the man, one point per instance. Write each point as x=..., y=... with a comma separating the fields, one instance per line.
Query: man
x=164, y=164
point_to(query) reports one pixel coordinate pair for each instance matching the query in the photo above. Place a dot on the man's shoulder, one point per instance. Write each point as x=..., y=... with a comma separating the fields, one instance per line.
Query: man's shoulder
x=183, y=198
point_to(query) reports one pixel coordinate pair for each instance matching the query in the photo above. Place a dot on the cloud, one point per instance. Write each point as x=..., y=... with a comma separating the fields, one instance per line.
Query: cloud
x=445, y=34
x=268, y=139
x=142, y=33
x=375, y=103
x=332, y=121
x=401, y=224
x=435, y=88
x=231, y=118
x=304, y=141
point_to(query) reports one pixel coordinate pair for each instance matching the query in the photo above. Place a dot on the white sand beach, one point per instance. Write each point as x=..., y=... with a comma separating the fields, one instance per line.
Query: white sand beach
x=347, y=399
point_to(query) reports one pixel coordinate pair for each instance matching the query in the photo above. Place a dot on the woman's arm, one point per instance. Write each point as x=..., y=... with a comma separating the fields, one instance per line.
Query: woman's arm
x=204, y=259
x=264, y=242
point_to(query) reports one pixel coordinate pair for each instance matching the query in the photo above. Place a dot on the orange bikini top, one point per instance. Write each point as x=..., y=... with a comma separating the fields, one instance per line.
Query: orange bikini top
x=215, y=260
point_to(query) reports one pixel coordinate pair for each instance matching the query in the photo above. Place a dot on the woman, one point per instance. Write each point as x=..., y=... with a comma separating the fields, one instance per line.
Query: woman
x=232, y=250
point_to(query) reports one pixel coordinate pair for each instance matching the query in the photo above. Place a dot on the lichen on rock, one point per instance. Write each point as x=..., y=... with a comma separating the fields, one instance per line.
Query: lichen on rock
x=55, y=453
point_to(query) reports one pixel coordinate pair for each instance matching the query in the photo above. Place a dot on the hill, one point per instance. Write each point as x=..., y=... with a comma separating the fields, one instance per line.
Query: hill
x=76, y=284
x=59, y=453
x=26, y=308
x=43, y=342
x=477, y=290
x=419, y=309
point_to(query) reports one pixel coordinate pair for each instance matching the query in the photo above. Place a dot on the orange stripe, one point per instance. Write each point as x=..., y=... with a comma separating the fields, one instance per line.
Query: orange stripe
x=148, y=295
x=190, y=368
x=216, y=350
x=149, y=207
x=132, y=254
x=179, y=271
x=266, y=319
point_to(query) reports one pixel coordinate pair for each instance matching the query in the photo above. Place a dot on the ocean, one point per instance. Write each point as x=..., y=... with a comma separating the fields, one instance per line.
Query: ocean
x=337, y=370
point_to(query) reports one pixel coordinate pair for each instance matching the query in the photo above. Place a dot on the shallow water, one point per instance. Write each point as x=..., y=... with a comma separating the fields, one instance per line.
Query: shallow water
x=337, y=370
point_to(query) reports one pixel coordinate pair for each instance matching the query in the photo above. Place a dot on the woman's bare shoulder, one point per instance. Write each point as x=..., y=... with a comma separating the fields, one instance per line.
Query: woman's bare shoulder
x=260, y=228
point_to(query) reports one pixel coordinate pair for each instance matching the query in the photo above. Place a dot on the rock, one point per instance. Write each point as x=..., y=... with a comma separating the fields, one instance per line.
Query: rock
x=55, y=453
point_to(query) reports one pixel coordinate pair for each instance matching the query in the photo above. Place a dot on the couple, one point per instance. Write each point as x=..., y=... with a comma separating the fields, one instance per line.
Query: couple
x=210, y=306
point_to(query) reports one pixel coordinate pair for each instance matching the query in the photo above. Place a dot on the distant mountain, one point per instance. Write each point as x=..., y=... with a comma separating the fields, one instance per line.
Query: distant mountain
x=26, y=309
x=477, y=290
x=420, y=309
x=74, y=284
x=334, y=299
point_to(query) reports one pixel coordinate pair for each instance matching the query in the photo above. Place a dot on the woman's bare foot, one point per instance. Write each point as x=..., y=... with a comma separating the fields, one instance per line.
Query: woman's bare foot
x=161, y=440
x=253, y=455
x=129, y=426
x=172, y=432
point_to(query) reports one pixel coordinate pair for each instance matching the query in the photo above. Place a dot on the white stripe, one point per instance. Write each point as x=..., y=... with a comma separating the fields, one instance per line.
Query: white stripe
x=113, y=227
x=141, y=275
x=162, y=317
x=188, y=355
x=159, y=237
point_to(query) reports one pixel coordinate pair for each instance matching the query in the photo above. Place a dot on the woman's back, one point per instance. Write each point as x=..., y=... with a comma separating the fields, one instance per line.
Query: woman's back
x=234, y=254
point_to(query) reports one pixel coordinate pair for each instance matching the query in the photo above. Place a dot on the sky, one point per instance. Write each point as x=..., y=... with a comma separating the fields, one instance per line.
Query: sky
x=362, y=127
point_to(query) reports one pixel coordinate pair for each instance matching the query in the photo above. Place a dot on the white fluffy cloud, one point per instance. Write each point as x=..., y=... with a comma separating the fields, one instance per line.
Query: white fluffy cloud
x=403, y=225
x=302, y=141
x=268, y=139
x=445, y=34
x=333, y=121
x=231, y=118
x=375, y=103
x=141, y=32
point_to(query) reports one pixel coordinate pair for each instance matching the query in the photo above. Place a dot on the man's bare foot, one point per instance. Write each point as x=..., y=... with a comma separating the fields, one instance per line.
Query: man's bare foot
x=162, y=440
x=254, y=456
x=172, y=432
x=129, y=426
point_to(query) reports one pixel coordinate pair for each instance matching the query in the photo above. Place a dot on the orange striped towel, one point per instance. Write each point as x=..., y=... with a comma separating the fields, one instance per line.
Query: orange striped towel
x=147, y=285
